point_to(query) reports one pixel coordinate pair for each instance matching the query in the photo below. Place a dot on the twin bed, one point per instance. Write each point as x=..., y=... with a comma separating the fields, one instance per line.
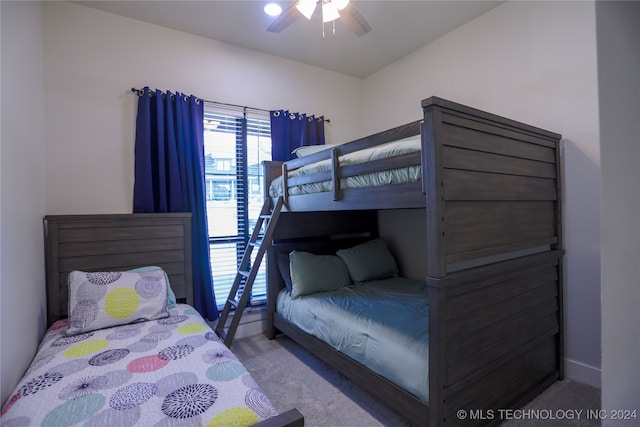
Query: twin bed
x=483, y=330
x=124, y=345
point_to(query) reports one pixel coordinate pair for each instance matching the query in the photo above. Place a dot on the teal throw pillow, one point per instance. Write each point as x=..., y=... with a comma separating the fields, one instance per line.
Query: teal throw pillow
x=371, y=260
x=312, y=273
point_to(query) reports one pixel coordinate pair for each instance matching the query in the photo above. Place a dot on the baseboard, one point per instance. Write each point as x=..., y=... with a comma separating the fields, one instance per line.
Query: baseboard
x=583, y=373
x=253, y=322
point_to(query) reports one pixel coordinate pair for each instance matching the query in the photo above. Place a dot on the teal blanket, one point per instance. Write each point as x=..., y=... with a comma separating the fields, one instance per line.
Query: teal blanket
x=382, y=324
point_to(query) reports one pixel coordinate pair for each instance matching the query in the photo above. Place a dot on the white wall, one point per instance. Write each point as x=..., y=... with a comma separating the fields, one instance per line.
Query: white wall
x=22, y=191
x=619, y=79
x=93, y=58
x=68, y=69
x=534, y=62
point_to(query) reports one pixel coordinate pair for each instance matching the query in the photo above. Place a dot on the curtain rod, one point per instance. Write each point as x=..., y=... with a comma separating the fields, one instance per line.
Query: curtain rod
x=140, y=91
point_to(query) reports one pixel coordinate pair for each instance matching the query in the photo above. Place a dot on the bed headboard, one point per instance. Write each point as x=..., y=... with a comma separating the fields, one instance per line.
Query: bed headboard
x=115, y=242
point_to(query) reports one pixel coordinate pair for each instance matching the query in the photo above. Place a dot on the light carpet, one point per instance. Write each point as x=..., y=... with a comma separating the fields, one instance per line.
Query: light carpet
x=294, y=378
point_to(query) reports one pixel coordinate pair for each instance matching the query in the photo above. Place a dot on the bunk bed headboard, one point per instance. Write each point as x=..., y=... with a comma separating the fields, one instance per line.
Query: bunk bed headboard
x=115, y=242
x=493, y=186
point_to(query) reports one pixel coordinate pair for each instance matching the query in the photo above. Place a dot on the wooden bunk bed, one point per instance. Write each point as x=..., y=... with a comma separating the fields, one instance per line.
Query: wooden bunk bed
x=490, y=190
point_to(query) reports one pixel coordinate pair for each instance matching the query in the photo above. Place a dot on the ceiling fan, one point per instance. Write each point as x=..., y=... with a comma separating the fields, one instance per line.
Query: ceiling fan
x=331, y=10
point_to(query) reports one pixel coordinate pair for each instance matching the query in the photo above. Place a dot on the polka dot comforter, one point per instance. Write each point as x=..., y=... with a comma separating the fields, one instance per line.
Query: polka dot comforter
x=167, y=372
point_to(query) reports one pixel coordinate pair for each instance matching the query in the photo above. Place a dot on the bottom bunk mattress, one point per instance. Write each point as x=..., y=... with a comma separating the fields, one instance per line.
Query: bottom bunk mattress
x=382, y=324
x=165, y=372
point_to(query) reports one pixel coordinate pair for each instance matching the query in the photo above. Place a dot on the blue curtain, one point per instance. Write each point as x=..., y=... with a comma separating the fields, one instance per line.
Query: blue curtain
x=169, y=175
x=292, y=130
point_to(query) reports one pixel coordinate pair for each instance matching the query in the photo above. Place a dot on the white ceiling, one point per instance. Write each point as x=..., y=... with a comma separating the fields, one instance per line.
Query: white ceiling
x=398, y=28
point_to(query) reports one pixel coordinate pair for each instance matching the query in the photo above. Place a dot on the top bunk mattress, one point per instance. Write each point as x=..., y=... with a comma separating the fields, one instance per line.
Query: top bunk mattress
x=374, y=179
x=382, y=324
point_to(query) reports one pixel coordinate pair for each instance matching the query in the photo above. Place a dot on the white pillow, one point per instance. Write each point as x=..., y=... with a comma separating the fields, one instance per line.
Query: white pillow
x=307, y=150
x=104, y=299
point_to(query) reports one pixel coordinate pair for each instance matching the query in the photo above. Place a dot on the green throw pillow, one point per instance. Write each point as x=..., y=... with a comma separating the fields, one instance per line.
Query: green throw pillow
x=371, y=260
x=312, y=273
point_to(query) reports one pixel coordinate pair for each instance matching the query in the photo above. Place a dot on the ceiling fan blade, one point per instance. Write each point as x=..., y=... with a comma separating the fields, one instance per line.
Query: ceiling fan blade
x=354, y=20
x=285, y=19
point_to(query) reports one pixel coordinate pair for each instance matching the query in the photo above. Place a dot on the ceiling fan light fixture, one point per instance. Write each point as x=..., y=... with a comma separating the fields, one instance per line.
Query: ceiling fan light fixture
x=306, y=7
x=329, y=12
x=340, y=4
x=272, y=9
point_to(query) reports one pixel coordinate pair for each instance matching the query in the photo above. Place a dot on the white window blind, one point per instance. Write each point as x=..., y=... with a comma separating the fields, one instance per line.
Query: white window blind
x=236, y=143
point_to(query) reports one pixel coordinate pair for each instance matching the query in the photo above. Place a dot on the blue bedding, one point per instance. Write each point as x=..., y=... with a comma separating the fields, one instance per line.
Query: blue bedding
x=383, y=324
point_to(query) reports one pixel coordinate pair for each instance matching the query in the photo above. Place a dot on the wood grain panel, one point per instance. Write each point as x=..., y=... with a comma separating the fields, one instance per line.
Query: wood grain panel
x=111, y=233
x=324, y=224
x=401, y=161
x=116, y=242
x=484, y=324
x=519, y=332
x=504, y=288
x=121, y=260
x=478, y=320
x=458, y=158
x=474, y=185
x=514, y=375
x=397, y=196
x=469, y=117
x=474, y=226
x=87, y=248
x=511, y=145
x=518, y=328
x=309, y=179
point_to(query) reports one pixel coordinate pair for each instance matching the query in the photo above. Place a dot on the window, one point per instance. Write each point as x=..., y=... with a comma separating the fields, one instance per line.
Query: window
x=236, y=142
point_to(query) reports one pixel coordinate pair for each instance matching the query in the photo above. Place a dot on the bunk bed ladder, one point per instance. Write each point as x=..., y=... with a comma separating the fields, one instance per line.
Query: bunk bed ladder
x=241, y=289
